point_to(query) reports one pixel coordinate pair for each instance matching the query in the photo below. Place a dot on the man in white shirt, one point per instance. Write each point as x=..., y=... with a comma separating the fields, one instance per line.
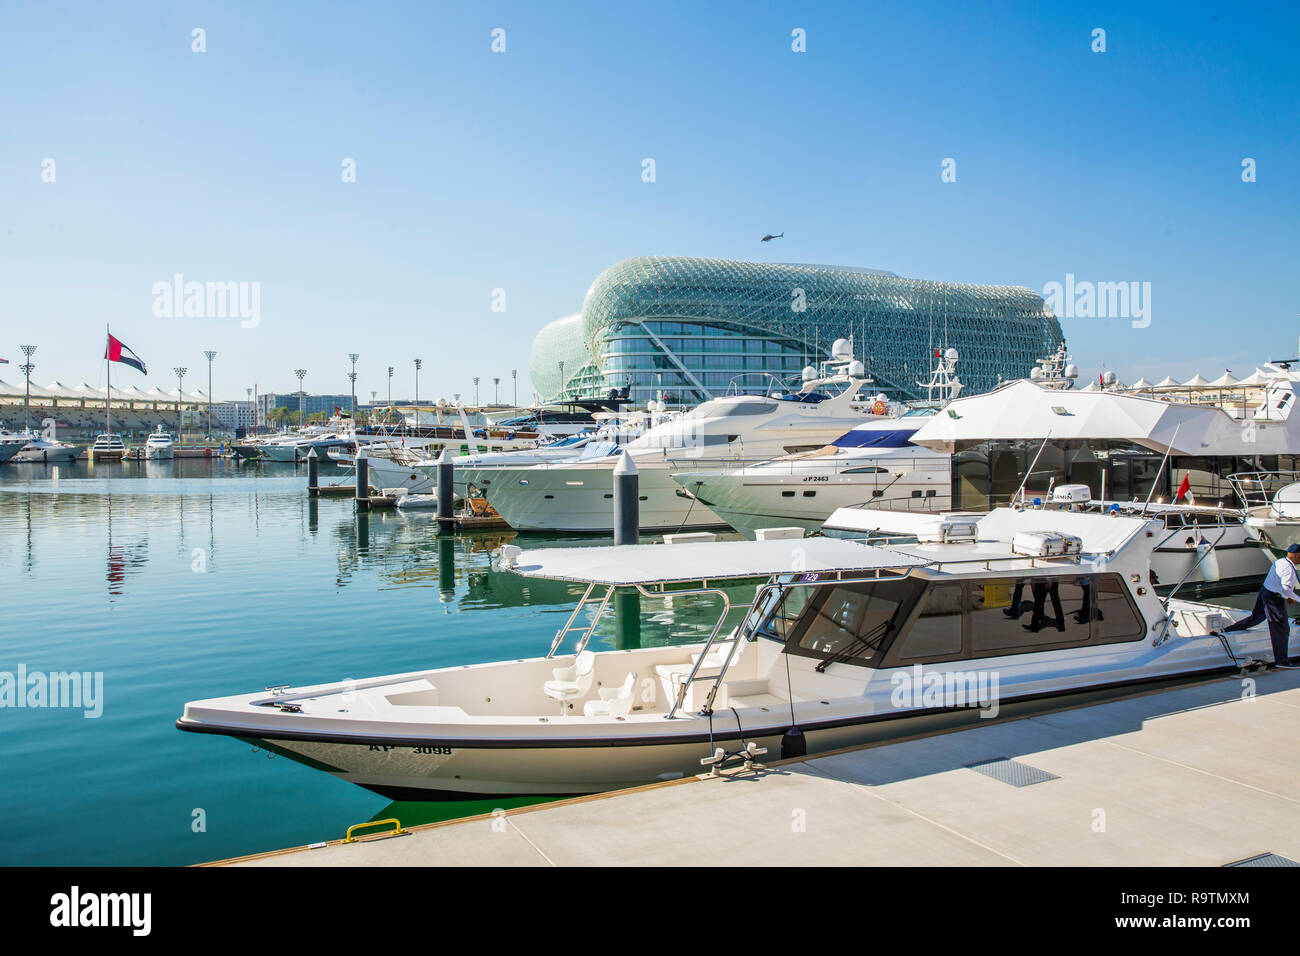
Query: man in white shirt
x=1279, y=587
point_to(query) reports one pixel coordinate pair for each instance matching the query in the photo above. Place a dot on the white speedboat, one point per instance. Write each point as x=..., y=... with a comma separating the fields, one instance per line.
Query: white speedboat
x=871, y=463
x=844, y=644
x=108, y=446
x=45, y=451
x=722, y=433
x=159, y=445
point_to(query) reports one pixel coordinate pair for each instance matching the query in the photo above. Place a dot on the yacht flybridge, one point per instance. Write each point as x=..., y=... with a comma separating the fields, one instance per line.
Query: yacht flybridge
x=842, y=644
x=721, y=432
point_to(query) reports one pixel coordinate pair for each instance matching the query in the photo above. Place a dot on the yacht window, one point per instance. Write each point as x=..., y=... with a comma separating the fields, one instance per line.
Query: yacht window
x=1114, y=619
x=854, y=620
x=1017, y=615
x=781, y=609
x=935, y=634
x=868, y=470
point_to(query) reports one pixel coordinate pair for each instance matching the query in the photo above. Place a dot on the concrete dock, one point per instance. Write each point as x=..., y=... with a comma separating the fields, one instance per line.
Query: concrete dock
x=1205, y=775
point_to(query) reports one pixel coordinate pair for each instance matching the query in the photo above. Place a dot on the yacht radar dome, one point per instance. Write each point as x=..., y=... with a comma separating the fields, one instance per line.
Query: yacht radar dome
x=1109, y=378
x=950, y=355
x=809, y=373
x=1072, y=372
x=1035, y=373
x=842, y=350
x=857, y=370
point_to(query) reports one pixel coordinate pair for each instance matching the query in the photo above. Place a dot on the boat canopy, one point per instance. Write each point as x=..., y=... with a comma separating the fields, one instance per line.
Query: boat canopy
x=630, y=564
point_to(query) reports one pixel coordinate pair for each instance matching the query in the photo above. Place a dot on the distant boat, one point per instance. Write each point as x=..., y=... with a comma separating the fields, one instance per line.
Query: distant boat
x=107, y=447
x=10, y=445
x=159, y=445
x=39, y=450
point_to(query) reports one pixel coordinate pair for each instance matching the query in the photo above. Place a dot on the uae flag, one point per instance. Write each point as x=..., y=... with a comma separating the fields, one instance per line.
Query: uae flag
x=117, y=352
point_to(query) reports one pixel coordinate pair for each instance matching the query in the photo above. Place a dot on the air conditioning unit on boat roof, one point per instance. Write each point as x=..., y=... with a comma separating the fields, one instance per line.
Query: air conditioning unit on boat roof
x=1046, y=544
x=949, y=528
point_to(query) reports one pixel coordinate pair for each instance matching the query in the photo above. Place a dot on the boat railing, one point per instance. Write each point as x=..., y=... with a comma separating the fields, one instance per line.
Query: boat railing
x=916, y=502
x=1255, y=489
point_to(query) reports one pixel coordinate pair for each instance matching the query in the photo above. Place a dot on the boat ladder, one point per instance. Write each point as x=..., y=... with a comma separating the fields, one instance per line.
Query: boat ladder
x=584, y=630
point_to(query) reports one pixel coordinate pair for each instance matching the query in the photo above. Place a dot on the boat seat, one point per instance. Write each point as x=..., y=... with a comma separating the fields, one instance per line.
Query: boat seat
x=573, y=681
x=672, y=676
x=614, y=701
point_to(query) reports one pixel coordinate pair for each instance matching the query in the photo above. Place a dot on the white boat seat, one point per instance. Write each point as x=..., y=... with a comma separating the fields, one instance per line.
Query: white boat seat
x=573, y=681
x=614, y=701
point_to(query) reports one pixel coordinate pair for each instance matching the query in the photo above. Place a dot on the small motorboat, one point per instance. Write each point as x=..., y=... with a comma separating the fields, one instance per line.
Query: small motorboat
x=843, y=644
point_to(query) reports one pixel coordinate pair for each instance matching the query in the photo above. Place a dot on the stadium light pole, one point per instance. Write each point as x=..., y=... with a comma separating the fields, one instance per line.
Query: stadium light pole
x=514, y=374
x=180, y=371
x=390, y=387
x=418, y=363
x=302, y=413
x=496, y=390
x=353, y=376
x=211, y=355
x=476, y=390
x=249, y=392
x=28, y=368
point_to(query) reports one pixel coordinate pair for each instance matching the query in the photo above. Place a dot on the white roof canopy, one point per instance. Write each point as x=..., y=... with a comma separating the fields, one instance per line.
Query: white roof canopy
x=629, y=564
x=1026, y=411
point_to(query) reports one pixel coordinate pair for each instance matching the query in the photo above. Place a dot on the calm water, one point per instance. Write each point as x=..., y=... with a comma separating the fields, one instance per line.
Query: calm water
x=193, y=579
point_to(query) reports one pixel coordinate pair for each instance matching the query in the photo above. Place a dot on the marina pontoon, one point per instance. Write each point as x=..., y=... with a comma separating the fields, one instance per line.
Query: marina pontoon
x=843, y=644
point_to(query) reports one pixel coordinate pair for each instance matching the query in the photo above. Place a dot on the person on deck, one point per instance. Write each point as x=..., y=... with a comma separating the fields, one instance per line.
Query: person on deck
x=1279, y=587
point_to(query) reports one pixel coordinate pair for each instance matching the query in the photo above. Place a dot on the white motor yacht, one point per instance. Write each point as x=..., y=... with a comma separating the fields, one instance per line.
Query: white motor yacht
x=108, y=446
x=159, y=445
x=722, y=433
x=1010, y=613
x=47, y=451
x=872, y=462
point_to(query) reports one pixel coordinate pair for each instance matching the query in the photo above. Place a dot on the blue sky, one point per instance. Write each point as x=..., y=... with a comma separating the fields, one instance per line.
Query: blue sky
x=521, y=170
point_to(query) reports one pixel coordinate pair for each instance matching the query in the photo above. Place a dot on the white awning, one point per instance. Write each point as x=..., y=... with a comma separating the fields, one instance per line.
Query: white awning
x=629, y=564
x=1196, y=381
x=1224, y=381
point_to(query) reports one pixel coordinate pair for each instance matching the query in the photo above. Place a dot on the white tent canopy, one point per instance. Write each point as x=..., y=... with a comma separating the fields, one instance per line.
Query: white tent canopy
x=1141, y=383
x=1224, y=381
x=1196, y=381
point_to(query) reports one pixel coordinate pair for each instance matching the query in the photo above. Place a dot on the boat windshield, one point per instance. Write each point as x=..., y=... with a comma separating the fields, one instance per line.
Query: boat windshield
x=850, y=622
x=599, y=449
x=732, y=407
x=876, y=438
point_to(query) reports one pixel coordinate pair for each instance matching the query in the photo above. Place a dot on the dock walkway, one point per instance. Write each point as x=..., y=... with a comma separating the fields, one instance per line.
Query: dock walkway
x=1205, y=775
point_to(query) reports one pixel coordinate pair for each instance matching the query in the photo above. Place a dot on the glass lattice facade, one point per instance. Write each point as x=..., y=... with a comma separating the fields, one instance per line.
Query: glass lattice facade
x=695, y=328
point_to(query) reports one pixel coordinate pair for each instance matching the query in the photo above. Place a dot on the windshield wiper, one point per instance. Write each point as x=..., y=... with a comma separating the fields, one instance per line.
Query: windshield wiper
x=864, y=639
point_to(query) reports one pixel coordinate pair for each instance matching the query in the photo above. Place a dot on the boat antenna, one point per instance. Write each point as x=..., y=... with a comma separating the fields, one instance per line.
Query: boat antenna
x=1160, y=470
x=1020, y=492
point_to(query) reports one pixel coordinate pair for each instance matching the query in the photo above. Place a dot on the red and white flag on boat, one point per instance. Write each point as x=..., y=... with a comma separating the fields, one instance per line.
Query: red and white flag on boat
x=1183, y=489
x=117, y=352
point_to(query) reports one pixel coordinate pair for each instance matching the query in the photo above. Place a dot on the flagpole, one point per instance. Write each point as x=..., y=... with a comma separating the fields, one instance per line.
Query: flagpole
x=108, y=381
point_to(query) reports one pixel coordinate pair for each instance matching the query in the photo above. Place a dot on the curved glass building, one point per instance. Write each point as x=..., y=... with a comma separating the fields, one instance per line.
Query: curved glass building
x=696, y=328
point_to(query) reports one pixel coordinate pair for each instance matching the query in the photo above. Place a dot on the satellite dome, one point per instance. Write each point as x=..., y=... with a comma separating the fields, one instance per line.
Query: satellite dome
x=1109, y=378
x=1072, y=371
x=809, y=373
x=857, y=370
x=950, y=355
x=841, y=349
x=1035, y=373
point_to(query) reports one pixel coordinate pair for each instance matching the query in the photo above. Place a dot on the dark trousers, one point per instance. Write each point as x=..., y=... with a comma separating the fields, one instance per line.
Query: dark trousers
x=1272, y=606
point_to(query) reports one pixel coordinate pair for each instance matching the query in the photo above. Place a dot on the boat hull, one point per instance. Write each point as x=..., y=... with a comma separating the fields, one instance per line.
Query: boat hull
x=580, y=500
x=759, y=499
x=448, y=768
